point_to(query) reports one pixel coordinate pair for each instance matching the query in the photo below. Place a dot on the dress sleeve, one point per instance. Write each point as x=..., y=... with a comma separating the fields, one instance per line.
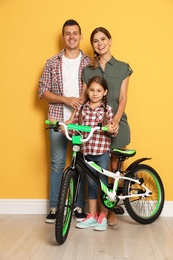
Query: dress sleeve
x=85, y=75
x=128, y=71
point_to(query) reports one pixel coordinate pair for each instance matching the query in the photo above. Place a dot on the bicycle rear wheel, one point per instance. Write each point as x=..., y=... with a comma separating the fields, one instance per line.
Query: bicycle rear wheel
x=145, y=209
x=65, y=206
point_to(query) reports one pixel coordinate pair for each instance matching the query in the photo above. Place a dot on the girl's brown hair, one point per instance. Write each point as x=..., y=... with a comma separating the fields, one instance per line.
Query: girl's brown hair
x=101, y=81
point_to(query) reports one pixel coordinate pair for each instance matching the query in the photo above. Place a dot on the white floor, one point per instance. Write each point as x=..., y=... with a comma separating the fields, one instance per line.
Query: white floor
x=27, y=237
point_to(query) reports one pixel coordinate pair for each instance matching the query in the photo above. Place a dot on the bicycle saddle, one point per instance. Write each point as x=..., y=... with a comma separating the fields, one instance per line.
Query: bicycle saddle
x=125, y=153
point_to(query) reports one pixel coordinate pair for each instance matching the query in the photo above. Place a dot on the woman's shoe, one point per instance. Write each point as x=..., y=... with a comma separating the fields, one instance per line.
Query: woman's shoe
x=112, y=219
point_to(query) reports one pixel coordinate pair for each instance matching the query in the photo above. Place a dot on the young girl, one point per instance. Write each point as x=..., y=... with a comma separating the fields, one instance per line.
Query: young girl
x=95, y=110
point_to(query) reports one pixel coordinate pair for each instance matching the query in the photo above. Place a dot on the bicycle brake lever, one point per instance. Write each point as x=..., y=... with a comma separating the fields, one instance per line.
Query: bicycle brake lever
x=54, y=127
x=49, y=127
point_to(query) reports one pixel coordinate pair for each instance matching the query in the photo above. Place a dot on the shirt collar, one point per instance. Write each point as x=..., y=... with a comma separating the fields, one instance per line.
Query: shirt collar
x=111, y=61
x=63, y=50
x=101, y=104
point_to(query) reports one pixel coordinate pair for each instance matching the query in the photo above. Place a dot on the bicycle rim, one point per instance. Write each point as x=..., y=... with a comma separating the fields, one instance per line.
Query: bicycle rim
x=145, y=209
x=67, y=208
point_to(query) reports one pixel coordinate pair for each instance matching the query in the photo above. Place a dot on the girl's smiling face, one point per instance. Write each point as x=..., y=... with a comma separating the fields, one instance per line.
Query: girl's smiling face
x=95, y=93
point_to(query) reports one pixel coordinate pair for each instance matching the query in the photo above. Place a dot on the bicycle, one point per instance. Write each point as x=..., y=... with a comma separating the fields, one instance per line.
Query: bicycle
x=142, y=192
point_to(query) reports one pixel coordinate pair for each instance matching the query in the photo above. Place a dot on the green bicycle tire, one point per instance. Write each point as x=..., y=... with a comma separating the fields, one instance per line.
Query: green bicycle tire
x=146, y=209
x=65, y=206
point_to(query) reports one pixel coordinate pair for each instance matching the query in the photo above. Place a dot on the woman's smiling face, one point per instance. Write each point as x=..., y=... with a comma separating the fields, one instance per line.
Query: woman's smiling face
x=101, y=43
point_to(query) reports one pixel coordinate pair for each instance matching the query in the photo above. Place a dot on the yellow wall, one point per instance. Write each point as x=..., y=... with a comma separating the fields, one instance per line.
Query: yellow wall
x=142, y=34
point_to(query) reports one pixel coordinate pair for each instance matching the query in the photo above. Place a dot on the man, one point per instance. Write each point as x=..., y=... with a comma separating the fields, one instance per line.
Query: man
x=61, y=86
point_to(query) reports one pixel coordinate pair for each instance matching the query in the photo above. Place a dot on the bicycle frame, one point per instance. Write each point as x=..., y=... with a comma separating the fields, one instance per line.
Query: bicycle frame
x=79, y=159
x=112, y=195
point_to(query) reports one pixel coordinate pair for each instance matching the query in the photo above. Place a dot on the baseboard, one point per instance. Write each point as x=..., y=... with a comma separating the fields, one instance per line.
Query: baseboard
x=23, y=206
x=40, y=206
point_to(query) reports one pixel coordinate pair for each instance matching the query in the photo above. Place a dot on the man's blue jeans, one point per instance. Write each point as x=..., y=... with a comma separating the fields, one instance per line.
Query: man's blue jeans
x=58, y=151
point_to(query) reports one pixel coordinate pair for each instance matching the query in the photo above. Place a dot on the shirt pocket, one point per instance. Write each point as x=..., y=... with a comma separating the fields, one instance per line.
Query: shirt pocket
x=99, y=116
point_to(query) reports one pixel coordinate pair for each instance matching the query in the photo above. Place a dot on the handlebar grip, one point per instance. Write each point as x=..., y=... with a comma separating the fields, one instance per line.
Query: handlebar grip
x=104, y=128
x=47, y=122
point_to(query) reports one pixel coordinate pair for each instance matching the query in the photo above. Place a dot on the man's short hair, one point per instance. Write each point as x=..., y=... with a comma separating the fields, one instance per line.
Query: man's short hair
x=70, y=22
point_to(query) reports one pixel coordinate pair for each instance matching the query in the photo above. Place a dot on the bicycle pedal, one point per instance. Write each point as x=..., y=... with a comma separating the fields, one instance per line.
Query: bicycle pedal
x=118, y=210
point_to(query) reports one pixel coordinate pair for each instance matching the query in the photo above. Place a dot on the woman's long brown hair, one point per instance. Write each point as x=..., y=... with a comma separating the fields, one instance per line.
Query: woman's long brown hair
x=94, y=63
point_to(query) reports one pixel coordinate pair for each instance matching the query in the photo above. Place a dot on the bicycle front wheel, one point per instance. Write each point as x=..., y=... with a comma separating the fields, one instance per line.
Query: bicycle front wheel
x=65, y=206
x=144, y=209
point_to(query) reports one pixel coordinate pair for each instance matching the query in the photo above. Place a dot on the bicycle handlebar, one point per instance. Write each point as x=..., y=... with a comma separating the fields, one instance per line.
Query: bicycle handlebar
x=81, y=128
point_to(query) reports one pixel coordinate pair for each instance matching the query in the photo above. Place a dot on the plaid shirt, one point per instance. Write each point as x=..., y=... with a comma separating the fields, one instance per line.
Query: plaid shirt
x=100, y=142
x=52, y=80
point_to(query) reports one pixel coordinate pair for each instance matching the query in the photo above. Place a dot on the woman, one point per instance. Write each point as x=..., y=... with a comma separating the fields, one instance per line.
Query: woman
x=117, y=75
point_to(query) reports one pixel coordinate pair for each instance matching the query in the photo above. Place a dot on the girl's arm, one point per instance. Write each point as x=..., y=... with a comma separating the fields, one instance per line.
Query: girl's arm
x=71, y=119
x=112, y=130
